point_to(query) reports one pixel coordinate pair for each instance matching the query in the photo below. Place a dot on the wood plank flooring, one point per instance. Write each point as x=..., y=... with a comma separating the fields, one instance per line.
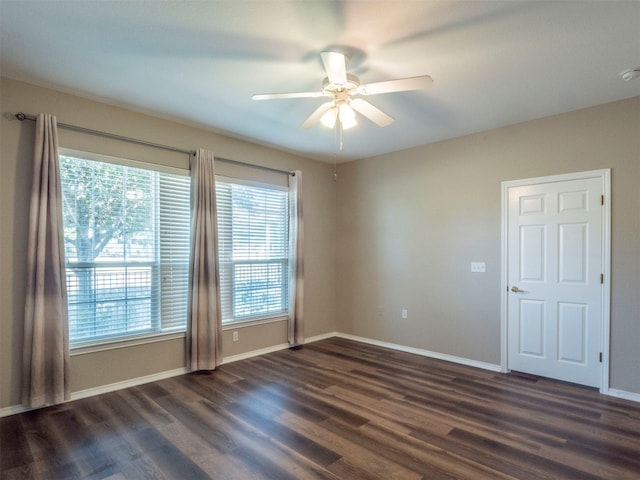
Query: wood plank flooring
x=335, y=409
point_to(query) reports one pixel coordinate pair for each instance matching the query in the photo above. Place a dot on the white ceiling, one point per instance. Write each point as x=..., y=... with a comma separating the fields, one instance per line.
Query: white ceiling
x=493, y=63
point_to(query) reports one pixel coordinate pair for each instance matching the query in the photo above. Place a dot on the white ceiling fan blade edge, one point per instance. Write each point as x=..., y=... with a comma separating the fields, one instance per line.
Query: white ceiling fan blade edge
x=399, y=85
x=317, y=114
x=335, y=65
x=374, y=114
x=274, y=96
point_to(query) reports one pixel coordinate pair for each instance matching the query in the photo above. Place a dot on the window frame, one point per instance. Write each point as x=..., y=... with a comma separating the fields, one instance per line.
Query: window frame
x=151, y=335
x=267, y=317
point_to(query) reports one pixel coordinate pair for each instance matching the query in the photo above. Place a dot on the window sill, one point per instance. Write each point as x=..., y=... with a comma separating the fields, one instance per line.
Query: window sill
x=252, y=322
x=116, y=343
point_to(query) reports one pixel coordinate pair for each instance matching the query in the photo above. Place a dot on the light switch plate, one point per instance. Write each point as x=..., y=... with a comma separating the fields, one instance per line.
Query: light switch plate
x=478, y=267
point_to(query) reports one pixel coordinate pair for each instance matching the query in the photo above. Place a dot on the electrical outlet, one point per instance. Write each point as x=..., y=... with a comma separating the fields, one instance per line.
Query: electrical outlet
x=235, y=336
x=478, y=267
x=405, y=313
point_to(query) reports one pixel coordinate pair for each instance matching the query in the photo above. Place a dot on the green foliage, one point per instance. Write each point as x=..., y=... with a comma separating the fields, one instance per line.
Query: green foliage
x=105, y=204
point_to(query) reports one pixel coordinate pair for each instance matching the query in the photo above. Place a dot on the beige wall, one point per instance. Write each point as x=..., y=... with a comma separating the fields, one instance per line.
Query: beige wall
x=407, y=227
x=103, y=368
x=410, y=223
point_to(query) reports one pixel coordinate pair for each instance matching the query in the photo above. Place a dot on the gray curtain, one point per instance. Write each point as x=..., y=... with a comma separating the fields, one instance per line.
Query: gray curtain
x=296, y=263
x=204, y=323
x=46, y=331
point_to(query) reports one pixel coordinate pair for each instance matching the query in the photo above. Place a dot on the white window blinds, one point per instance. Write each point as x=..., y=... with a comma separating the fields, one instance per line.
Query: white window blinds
x=127, y=249
x=253, y=250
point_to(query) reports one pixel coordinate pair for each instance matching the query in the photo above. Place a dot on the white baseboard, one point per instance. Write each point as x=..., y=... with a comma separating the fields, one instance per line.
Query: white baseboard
x=634, y=397
x=425, y=353
x=274, y=348
x=89, y=392
x=323, y=336
x=254, y=353
x=133, y=382
x=12, y=410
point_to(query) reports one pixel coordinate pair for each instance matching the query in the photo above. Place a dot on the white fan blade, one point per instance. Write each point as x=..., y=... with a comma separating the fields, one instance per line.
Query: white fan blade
x=272, y=96
x=399, y=85
x=336, y=66
x=317, y=114
x=372, y=113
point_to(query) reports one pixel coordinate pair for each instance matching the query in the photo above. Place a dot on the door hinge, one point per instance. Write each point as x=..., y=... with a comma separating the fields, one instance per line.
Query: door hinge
x=602, y=278
x=600, y=357
x=601, y=199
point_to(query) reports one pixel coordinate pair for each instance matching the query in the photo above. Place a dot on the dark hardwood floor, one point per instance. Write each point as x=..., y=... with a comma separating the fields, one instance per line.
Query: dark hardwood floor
x=336, y=409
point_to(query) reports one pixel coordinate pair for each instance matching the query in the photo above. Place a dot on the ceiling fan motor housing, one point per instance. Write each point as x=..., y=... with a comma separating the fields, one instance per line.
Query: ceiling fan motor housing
x=330, y=88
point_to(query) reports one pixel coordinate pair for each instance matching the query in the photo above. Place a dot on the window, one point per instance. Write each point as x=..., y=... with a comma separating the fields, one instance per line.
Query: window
x=126, y=237
x=253, y=246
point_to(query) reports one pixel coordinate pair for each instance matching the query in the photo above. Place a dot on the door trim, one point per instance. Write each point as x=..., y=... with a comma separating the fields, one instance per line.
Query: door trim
x=605, y=177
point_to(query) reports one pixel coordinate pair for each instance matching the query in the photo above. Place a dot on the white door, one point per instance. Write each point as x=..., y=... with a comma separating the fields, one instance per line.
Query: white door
x=555, y=280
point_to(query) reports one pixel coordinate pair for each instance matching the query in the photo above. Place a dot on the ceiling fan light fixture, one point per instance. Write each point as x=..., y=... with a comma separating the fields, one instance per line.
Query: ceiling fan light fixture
x=329, y=118
x=347, y=116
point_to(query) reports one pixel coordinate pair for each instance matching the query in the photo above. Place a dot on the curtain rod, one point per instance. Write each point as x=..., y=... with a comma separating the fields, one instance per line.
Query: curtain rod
x=23, y=116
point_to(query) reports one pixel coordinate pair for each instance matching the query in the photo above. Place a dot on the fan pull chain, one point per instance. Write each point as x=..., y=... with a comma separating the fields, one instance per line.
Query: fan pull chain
x=338, y=133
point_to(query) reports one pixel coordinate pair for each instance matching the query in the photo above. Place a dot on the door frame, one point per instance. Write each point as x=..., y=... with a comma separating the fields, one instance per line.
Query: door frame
x=605, y=177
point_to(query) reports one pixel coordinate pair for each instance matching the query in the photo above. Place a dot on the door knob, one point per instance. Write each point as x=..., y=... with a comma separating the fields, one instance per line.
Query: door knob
x=515, y=289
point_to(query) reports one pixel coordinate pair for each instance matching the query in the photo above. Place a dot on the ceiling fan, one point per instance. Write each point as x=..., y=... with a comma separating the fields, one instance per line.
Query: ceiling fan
x=345, y=90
